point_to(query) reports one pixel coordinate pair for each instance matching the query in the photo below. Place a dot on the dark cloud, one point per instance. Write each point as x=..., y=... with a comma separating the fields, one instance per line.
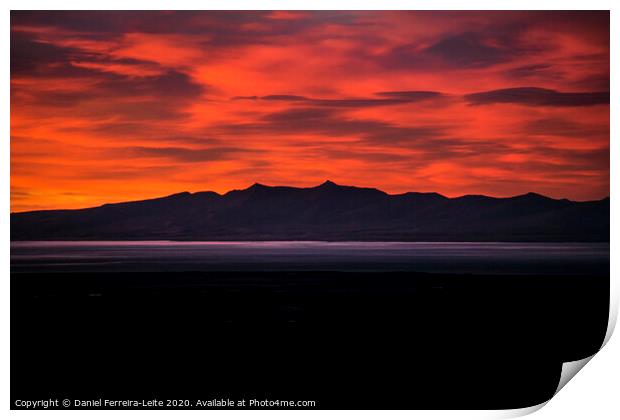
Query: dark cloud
x=597, y=81
x=158, y=94
x=27, y=55
x=183, y=154
x=110, y=22
x=563, y=127
x=328, y=122
x=30, y=56
x=370, y=102
x=387, y=98
x=20, y=193
x=534, y=96
x=368, y=156
x=161, y=92
x=468, y=50
x=171, y=84
x=411, y=95
x=299, y=115
x=225, y=27
x=567, y=162
x=285, y=98
x=125, y=173
x=532, y=70
x=589, y=24
x=106, y=93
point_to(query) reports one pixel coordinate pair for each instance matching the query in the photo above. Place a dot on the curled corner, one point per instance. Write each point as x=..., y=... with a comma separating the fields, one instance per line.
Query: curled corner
x=569, y=370
x=520, y=412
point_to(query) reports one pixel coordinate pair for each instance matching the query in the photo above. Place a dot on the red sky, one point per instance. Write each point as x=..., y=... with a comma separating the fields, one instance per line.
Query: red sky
x=117, y=106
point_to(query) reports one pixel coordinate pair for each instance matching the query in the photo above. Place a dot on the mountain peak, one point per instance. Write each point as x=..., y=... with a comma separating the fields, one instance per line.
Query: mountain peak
x=533, y=196
x=257, y=186
x=329, y=184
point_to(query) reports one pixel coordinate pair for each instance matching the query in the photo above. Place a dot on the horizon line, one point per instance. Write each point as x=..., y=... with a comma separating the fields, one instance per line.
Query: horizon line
x=323, y=184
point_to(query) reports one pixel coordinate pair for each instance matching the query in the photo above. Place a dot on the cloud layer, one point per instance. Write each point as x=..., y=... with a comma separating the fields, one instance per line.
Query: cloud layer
x=111, y=106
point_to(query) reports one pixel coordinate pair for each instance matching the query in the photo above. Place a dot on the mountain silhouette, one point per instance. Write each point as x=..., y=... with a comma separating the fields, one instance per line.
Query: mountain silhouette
x=326, y=212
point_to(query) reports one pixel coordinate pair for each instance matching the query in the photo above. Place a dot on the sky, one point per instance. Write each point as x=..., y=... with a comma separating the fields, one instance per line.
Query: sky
x=118, y=106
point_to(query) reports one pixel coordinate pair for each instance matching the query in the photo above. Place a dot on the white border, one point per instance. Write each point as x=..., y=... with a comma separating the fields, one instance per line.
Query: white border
x=594, y=394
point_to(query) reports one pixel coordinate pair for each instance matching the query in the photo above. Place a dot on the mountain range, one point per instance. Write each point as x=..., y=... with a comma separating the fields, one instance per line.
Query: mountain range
x=327, y=212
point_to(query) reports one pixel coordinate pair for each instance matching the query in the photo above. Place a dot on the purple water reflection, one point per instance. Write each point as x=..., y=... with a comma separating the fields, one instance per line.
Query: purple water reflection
x=475, y=257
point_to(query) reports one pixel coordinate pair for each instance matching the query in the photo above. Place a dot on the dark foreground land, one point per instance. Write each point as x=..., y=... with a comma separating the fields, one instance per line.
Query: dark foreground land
x=345, y=340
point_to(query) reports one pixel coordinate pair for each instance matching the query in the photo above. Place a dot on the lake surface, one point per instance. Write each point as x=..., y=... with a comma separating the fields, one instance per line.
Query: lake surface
x=432, y=257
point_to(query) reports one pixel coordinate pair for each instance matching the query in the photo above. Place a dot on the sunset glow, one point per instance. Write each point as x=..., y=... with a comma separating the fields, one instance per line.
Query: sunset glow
x=119, y=106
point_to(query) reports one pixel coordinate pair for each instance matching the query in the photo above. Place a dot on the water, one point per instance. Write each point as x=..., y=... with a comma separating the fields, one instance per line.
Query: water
x=448, y=257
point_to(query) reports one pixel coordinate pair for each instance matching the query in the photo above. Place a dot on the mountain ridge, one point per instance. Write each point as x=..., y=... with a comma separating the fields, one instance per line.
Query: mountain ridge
x=325, y=212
